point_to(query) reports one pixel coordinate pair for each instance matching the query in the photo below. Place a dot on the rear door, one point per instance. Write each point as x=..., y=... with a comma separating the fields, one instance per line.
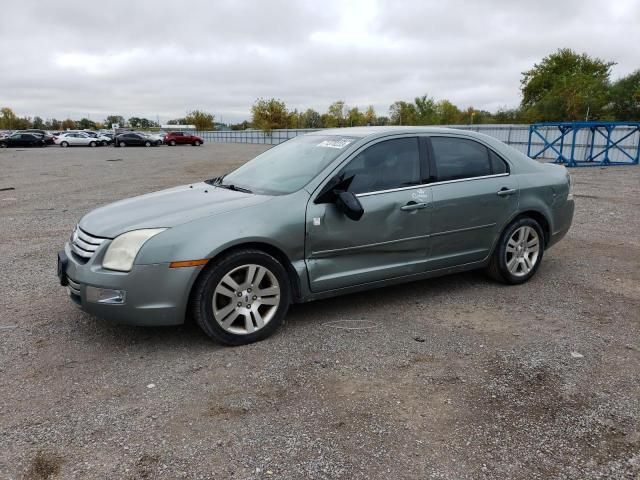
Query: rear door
x=474, y=195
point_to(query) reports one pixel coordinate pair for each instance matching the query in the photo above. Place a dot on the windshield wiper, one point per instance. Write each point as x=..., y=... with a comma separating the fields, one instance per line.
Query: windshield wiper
x=233, y=187
x=217, y=182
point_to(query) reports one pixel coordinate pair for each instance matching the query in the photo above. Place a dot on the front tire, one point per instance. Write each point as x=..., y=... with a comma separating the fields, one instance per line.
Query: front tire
x=172, y=143
x=241, y=298
x=519, y=252
x=92, y=144
x=64, y=144
x=122, y=144
x=196, y=143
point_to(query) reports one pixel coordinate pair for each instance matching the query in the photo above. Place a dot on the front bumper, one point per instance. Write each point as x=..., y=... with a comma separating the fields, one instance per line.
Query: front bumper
x=155, y=294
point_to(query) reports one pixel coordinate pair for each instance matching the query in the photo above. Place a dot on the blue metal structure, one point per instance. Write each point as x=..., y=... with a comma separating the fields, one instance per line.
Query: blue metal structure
x=597, y=141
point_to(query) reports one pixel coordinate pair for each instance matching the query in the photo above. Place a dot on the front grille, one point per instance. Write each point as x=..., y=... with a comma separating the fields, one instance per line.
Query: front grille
x=74, y=287
x=84, y=244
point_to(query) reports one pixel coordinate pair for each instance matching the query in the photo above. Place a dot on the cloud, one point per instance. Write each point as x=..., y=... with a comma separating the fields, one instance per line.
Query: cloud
x=157, y=58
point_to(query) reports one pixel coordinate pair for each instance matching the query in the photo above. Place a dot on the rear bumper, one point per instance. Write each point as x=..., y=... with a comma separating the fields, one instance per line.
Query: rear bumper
x=155, y=294
x=562, y=218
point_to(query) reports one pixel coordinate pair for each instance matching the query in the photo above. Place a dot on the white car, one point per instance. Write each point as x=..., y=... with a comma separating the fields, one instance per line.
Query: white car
x=74, y=139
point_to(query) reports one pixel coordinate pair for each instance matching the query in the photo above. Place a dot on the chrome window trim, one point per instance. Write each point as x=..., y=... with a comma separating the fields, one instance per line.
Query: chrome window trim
x=424, y=185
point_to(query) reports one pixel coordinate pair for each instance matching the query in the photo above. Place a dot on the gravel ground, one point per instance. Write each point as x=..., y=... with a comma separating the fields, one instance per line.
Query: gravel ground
x=454, y=378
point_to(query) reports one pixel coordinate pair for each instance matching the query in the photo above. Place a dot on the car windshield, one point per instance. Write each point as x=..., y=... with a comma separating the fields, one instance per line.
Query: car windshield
x=289, y=166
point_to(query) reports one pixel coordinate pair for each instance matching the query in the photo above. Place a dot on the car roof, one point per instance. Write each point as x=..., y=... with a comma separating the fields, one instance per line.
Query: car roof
x=362, y=132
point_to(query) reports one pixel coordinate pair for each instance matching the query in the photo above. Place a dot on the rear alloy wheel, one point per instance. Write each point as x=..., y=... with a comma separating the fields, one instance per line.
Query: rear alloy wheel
x=242, y=298
x=147, y=144
x=3, y=145
x=172, y=143
x=196, y=143
x=518, y=253
x=64, y=144
x=122, y=144
x=92, y=144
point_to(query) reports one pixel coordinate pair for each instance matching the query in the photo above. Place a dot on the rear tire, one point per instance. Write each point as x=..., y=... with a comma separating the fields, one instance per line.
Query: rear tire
x=3, y=145
x=64, y=144
x=122, y=144
x=172, y=143
x=518, y=254
x=242, y=297
x=92, y=144
x=196, y=143
x=147, y=144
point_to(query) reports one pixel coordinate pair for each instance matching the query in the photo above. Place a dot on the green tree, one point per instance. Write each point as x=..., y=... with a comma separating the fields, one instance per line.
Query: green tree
x=370, y=116
x=37, y=123
x=86, y=124
x=269, y=114
x=311, y=119
x=52, y=124
x=566, y=86
x=8, y=119
x=336, y=114
x=447, y=113
x=293, y=119
x=425, y=108
x=111, y=119
x=625, y=98
x=355, y=118
x=402, y=113
x=202, y=120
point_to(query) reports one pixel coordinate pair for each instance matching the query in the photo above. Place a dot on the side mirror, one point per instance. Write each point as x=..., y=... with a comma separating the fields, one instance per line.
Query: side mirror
x=349, y=204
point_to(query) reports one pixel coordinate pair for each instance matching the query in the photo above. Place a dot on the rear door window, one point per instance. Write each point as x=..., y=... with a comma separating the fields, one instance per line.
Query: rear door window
x=459, y=158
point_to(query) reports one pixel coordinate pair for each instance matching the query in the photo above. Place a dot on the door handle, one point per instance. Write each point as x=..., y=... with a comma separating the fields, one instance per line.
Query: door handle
x=505, y=192
x=413, y=206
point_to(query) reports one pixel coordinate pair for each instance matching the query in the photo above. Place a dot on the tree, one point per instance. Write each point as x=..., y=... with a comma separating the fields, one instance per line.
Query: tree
x=402, y=113
x=625, y=98
x=370, y=116
x=566, y=86
x=10, y=120
x=447, y=113
x=202, y=120
x=355, y=117
x=111, y=119
x=177, y=121
x=37, y=123
x=269, y=114
x=425, y=110
x=52, y=124
x=311, y=119
x=68, y=124
x=336, y=114
x=293, y=119
x=86, y=124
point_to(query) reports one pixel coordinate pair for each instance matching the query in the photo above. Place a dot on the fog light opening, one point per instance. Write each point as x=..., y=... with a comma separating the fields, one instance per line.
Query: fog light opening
x=106, y=295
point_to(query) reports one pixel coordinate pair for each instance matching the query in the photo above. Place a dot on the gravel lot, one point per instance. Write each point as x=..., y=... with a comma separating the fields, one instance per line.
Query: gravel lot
x=452, y=378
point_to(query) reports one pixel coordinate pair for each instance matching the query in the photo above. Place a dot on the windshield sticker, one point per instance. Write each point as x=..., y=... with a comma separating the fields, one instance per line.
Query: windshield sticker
x=337, y=143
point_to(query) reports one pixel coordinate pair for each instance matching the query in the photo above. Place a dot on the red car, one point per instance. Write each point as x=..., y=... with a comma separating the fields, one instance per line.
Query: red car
x=182, y=138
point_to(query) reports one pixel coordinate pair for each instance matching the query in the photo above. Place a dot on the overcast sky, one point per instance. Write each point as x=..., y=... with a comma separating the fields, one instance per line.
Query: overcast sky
x=159, y=58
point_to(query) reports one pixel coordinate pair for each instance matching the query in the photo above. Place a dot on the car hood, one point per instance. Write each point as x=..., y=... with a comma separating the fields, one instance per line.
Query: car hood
x=166, y=208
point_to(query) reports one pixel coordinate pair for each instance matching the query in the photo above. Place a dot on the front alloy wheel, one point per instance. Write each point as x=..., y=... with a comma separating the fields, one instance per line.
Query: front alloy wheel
x=246, y=299
x=242, y=297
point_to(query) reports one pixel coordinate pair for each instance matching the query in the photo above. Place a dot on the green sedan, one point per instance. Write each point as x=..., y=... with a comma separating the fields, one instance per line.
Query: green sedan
x=323, y=214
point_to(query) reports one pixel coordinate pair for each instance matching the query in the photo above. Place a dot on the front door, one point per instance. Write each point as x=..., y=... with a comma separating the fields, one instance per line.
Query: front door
x=473, y=198
x=390, y=240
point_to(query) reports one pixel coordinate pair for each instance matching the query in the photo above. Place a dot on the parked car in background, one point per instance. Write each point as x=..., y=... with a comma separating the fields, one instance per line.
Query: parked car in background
x=157, y=137
x=134, y=139
x=323, y=214
x=102, y=139
x=5, y=133
x=21, y=139
x=182, y=138
x=47, y=136
x=76, y=139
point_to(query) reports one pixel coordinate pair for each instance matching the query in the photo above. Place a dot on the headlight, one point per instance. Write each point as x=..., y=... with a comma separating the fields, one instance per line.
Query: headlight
x=123, y=249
